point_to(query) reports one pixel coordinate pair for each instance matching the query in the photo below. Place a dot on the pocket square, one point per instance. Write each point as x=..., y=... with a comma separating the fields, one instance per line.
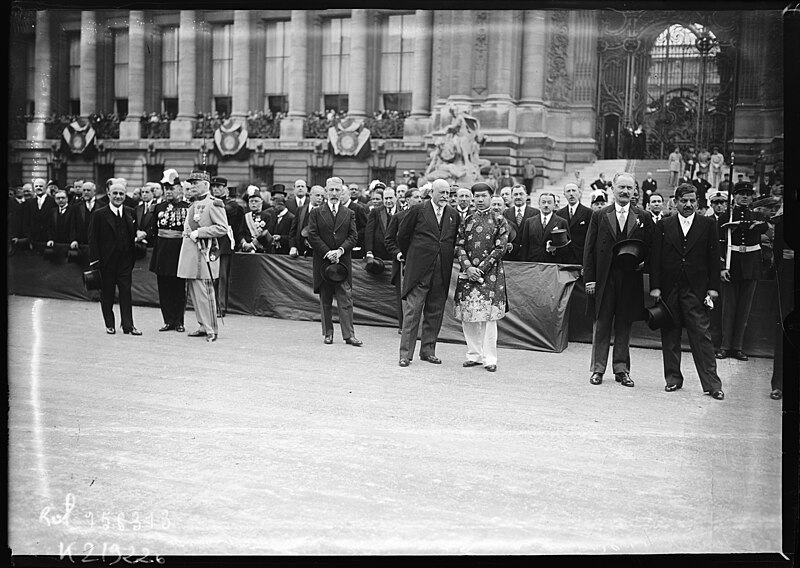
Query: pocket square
x=582, y=223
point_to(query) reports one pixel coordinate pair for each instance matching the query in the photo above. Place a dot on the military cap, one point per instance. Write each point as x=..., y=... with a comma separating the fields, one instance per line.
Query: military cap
x=217, y=180
x=198, y=175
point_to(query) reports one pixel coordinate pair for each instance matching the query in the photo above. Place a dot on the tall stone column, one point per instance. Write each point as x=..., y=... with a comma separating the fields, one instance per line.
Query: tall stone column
x=419, y=122
x=88, y=86
x=501, y=55
x=292, y=124
x=534, y=56
x=359, y=34
x=130, y=128
x=182, y=127
x=240, y=89
x=44, y=70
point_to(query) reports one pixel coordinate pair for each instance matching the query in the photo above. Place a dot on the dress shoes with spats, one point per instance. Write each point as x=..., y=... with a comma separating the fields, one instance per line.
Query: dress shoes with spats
x=131, y=331
x=596, y=378
x=166, y=327
x=354, y=341
x=672, y=388
x=624, y=379
x=432, y=359
x=404, y=362
x=111, y=331
x=328, y=340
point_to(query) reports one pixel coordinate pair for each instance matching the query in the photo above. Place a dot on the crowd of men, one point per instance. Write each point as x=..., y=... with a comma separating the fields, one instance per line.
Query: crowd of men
x=694, y=255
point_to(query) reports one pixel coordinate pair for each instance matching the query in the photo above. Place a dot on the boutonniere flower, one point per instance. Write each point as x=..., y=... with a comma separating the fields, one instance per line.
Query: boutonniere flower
x=639, y=223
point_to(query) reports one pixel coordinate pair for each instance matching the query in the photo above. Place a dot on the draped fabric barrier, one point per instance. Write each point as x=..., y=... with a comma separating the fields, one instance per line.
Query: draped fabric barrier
x=547, y=301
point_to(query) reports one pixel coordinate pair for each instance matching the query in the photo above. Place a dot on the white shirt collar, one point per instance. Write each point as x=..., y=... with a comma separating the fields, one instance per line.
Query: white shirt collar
x=687, y=221
x=545, y=218
x=620, y=208
x=282, y=213
x=115, y=210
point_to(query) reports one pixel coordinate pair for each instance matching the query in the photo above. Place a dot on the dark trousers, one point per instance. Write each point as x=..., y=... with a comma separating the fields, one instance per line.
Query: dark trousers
x=223, y=284
x=398, y=302
x=344, y=301
x=528, y=182
x=785, y=278
x=424, y=302
x=601, y=338
x=172, y=298
x=690, y=313
x=737, y=299
x=116, y=275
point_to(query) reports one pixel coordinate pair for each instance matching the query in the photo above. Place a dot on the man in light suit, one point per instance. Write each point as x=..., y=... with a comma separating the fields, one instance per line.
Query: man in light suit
x=516, y=215
x=332, y=234
x=426, y=237
x=684, y=271
x=578, y=217
x=206, y=222
x=537, y=233
x=615, y=295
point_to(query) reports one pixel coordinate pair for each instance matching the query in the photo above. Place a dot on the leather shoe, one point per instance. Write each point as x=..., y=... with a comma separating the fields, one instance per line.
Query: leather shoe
x=132, y=331
x=719, y=395
x=740, y=355
x=111, y=331
x=432, y=359
x=721, y=354
x=165, y=327
x=596, y=378
x=491, y=368
x=328, y=340
x=624, y=379
x=470, y=364
x=672, y=388
x=211, y=337
x=776, y=394
x=179, y=328
x=354, y=341
x=404, y=362
x=198, y=333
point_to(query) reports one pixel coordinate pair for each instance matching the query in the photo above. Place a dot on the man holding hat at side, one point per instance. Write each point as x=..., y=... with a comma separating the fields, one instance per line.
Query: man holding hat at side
x=684, y=274
x=332, y=234
x=740, y=271
x=615, y=290
x=205, y=224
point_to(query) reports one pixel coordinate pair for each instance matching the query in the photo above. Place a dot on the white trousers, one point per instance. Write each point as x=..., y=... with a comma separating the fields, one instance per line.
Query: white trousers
x=481, y=339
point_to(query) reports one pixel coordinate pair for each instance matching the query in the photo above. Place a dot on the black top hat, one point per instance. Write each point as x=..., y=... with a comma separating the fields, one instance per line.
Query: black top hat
x=374, y=265
x=629, y=253
x=559, y=238
x=334, y=272
x=278, y=188
x=217, y=180
x=92, y=280
x=660, y=316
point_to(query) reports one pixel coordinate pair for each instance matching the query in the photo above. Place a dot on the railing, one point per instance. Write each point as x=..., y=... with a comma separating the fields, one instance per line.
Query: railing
x=318, y=123
x=264, y=125
x=382, y=125
x=106, y=126
x=155, y=125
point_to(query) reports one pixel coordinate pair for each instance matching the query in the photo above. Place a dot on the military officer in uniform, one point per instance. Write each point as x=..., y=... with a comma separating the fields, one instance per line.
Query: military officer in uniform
x=235, y=215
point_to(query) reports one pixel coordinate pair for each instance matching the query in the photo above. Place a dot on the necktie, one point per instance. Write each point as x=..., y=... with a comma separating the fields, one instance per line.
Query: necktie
x=519, y=216
x=621, y=217
x=571, y=212
x=335, y=209
x=439, y=215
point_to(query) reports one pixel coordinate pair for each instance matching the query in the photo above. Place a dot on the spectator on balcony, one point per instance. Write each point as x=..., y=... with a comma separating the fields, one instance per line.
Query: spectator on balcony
x=37, y=212
x=298, y=200
x=279, y=224
x=254, y=234
x=58, y=220
x=298, y=234
x=528, y=174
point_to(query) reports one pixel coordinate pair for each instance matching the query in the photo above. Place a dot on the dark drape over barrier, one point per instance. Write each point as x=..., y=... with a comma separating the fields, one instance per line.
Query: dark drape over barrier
x=548, y=305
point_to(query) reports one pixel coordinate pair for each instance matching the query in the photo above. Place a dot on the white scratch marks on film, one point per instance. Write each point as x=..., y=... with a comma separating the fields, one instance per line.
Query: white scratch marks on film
x=41, y=457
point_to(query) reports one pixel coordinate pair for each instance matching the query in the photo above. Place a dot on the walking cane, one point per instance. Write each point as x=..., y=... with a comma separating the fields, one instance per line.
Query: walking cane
x=211, y=277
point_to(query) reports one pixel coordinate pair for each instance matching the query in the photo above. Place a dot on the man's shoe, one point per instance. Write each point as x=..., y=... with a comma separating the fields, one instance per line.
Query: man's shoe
x=432, y=359
x=718, y=394
x=165, y=327
x=211, y=337
x=491, y=368
x=470, y=364
x=179, y=328
x=111, y=331
x=776, y=394
x=596, y=378
x=328, y=340
x=740, y=355
x=198, y=333
x=404, y=362
x=721, y=354
x=672, y=388
x=132, y=331
x=354, y=341
x=624, y=379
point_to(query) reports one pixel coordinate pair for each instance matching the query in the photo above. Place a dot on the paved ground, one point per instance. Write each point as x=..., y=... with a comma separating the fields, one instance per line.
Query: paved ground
x=271, y=442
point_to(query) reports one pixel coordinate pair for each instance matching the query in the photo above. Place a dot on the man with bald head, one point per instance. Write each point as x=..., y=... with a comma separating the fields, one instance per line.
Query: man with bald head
x=300, y=197
x=578, y=217
x=427, y=237
x=36, y=213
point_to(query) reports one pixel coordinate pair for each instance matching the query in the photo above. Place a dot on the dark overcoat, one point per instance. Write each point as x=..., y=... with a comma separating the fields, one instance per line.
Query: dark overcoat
x=326, y=234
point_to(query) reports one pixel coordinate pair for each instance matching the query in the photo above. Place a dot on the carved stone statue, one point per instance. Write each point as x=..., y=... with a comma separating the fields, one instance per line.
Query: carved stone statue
x=455, y=157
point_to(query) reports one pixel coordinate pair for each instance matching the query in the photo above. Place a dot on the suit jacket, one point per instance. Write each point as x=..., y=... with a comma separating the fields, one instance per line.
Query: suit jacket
x=421, y=241
x=360, y=210
x=578, y=226
x=296, y=237
x=107, y=241
x=58, y=225
x=696, y=257
x=511, y=216
x=282, y=228
x=390, y=243
x=144, y=217
x=35, y=220
x=235, y=214
x=375, y=232
x=598, y=256
x=211, y=225
x=535, y=237
x=79, y=222
x=326, y=233
x=291, y=204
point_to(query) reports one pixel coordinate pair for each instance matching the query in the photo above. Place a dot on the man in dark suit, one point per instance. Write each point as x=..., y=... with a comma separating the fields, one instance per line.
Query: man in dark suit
x=426, y=237
x=578, y=217
x=80, y=215
x=37, y=212
x=464, y=206
x=516, y=215
x=143, y=213
x=615, y=295
x=16, y=204
x=235, y=215
x=332, y=234
x=298, y=234
x=279, y=224
x=360, y=210
x=59, y=220
x=537, y=231
x=684, y=274
x=112, y=237
x=300, y=197
x=377, y=222
x=398, y=260
x=649, y=186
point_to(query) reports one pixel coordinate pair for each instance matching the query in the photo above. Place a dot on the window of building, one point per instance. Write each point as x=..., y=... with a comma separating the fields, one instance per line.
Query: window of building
x=383, y=174
x=319, y=175
x=276, y=67
x=397, y=62
x=221, y=67
x=74, y=42
x=121, y=50
x=103, y=172
x=170, y=106
x=121, y=108
x=262, y=176
x=335, y=62
x=154, y=172
x=169, y=69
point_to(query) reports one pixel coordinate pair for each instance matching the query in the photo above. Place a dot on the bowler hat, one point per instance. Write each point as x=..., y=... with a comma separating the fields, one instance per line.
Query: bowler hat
x=92, y=280
x=278, y=188
x=629, y=253
x=559, y=238
x=334, y=272
x=217, y=180
x=374, y=265
x=660, y=316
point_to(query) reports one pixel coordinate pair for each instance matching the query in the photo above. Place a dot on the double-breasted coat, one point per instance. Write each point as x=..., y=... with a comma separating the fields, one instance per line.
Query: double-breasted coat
x=208, y=217
x=326, y=233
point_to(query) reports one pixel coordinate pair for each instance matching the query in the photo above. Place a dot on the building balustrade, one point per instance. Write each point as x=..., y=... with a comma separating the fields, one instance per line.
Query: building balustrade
x=156, y=125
